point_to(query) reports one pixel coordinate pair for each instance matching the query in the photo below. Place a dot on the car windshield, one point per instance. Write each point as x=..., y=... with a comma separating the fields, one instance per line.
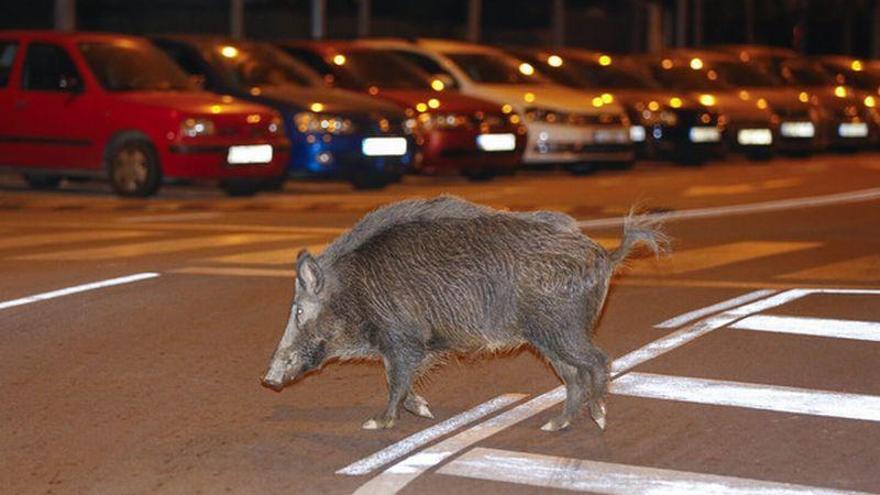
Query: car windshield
x=612, y=76
x=740, y=74
x=363, y=68
x=686, y=79
x=805, y=73
x=492, y=69
x=256, y=64
x=133, y=66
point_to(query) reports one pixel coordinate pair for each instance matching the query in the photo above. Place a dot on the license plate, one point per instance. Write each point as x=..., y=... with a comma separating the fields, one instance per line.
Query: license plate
x=754, y=137
x=704, y=134
x=615, y=136
x=243, y=155
x=797, y=129
x=853, y=130
x=384, y=146
x=496, y=142
x=637, y=133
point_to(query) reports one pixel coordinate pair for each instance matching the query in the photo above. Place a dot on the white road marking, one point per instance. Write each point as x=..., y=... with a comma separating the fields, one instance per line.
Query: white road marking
x=77, y=288
x=616, y=479
x=741, y=209
x=699, y=313
x=173, y=217
x=704, y=258
x=400, y=474
x=821, y=327
x=417, y=440
x=749, y=395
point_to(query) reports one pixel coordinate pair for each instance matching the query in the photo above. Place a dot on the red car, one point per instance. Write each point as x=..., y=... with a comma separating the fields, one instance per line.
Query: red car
x=456, y=133
x=83, y=104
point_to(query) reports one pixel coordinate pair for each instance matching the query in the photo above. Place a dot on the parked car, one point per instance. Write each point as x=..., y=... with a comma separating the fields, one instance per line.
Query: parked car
x=848, y=116
x=664, y=123
x=456, y=133
x=334, y=133
x=107, y=105
x=565, y=126
x=751, y=126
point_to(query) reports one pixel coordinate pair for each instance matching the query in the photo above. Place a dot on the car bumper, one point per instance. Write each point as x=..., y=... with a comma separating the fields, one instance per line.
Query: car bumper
x=455, y=151
x=203, y=160
x=343, y=156
x=549, y=143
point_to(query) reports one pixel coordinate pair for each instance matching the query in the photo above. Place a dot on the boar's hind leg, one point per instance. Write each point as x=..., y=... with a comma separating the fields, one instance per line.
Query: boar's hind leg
x=574, y=395
x=417, y=405
x=400, y=367
x=592, y=370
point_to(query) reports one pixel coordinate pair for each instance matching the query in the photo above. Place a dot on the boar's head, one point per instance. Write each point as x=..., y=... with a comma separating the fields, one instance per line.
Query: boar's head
x=311, y=327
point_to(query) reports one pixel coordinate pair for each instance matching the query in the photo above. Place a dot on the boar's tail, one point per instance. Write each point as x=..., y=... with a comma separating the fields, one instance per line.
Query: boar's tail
x=640, y=229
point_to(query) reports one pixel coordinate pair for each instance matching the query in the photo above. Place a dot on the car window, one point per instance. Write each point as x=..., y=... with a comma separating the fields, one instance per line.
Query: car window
x=182, y=56
x=367, y=67
x=252, y=65
x=48, y=67
x=427, y=64
x=128, y=66
x=310, y=58
x=7, y=56
x=492, y=69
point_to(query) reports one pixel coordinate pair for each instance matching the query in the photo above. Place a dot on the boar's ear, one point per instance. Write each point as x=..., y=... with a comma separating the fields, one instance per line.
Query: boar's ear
x=309, y=273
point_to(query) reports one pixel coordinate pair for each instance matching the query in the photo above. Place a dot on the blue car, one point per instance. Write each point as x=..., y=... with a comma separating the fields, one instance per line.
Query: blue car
x=334, y=133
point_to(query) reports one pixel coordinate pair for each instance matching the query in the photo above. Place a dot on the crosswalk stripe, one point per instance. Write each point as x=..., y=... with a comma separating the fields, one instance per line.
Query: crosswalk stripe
x=692, y=260
x=60, y=238
x=609, y=478
x=819, y=327
x=861, y=269
x=229, y=271
x=161, y=247
x=749, y=395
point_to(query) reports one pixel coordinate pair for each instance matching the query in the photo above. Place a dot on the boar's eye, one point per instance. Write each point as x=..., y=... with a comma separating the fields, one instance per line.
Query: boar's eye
x=298, y=312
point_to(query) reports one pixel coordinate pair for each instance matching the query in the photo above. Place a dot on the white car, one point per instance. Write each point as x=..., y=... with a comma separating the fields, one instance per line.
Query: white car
x=564, y=125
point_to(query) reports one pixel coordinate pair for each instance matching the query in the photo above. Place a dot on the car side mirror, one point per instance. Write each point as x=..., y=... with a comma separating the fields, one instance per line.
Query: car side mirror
x=197, y=80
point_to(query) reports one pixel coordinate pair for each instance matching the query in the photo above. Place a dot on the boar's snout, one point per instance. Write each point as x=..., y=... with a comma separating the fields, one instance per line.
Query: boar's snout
x=275, y=385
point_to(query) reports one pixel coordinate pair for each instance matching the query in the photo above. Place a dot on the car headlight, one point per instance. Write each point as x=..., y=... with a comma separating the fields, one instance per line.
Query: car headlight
x=195, y=127
x=442, y=120
x=319, y=122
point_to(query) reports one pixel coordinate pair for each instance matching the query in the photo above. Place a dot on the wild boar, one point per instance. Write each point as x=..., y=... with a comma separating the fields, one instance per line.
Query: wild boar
x=419, y=279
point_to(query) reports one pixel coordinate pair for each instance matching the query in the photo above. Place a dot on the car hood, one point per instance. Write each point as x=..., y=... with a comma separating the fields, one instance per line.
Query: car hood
x=331, y=100
x=641, y=97
x=736, y=109
x=447, y=100
x=544, y=96
x=191, y=102
x=783, y=100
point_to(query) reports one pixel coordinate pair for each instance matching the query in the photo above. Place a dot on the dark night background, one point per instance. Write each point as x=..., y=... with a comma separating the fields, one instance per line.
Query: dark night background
x=830, y=26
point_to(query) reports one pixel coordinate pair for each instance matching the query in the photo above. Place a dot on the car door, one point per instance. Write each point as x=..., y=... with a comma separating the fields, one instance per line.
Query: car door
x=9, y=148
x=54, y=115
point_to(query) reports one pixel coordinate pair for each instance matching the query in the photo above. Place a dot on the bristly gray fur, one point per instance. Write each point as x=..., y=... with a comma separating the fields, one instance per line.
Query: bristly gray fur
x=416, y=280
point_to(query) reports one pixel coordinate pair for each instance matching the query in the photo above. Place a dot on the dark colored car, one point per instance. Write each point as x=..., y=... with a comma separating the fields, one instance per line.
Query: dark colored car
x=334, y=133
x=848, y=116
x=106, y=105
x=665, y=123
x=457, y=133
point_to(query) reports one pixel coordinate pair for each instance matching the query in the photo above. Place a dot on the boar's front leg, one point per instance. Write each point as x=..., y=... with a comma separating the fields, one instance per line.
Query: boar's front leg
x=400, y=367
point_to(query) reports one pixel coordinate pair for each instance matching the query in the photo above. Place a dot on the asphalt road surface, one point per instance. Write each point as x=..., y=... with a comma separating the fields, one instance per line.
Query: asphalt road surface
x=133, y=334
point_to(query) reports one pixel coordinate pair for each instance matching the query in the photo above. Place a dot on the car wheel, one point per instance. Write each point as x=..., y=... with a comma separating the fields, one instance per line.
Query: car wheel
x=134, y=167
x=242, y=187
x=42, y=181
x=372, y=180
x=480, y=174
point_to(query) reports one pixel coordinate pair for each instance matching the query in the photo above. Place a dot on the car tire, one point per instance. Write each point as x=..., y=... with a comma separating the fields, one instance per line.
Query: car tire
x=133, y=166
x=240, y=188
x=371, y=180
x=42, y=182
x=480, y=174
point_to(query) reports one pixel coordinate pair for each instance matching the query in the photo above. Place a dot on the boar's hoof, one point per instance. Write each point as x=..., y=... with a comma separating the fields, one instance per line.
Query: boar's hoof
x=556, y=424
x=598, y=411
x=417, y=405
x=378, y=424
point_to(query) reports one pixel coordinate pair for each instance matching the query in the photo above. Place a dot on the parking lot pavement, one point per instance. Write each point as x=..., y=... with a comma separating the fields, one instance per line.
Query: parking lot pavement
x=134, y=333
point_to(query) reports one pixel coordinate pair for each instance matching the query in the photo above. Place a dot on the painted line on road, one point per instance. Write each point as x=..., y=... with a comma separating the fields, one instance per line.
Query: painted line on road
x=749, y=395
x=225, y=271
x=819, y=327
x=704, y=258
x=417, y=440
x=615, y=479
x=396, y=477
x=708, y=310
x=78, y=288
x=741, y=209
x=173, y=217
